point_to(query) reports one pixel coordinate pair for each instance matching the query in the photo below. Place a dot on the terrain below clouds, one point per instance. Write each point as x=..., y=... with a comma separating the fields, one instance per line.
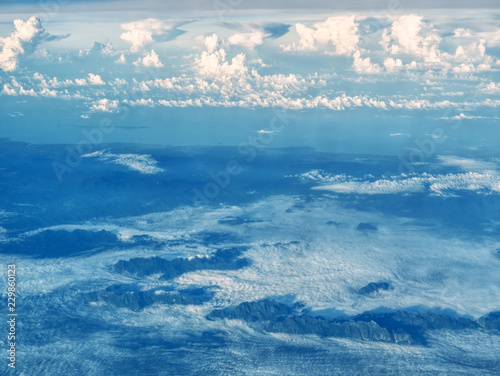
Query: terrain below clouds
x=270, y=274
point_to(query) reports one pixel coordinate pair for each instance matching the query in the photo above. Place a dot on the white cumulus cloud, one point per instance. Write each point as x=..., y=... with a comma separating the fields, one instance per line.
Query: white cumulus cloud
x=145, y=32
x=248, y=40
x=151, y=60
x=104, y=105
x=340, y=31
x=26, y=37
x=95, y=79
x=364, y=65
x=410, y=35
x=212, y=63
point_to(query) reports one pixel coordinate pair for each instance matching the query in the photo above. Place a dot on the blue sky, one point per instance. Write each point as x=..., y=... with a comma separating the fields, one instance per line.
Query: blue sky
x=365, y=77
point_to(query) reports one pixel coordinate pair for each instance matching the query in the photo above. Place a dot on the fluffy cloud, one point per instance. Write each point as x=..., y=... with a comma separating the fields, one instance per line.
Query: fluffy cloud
x=211, y=43
x=97, y=49
x=14, y=88
x=219, y=77
x=212, y=62
x=92, y=79
x=253, y=35
x=341, y=32
x=248, y=40
x=491, y=88
x=95, y=79
x=140, y=102
x=221, y=81
x=145, y=32
x=461, y=32
x=364, y=66
x=26, y=37
x=216, y=80
x=121, y=60
x=105, y=105
x=391, y=64
x=151, y=60
x=410, y=35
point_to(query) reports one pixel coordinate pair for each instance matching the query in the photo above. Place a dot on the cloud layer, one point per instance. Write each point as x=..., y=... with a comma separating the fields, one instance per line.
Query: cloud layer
x=480, y=177
x=420, y=64
x=142, y=163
